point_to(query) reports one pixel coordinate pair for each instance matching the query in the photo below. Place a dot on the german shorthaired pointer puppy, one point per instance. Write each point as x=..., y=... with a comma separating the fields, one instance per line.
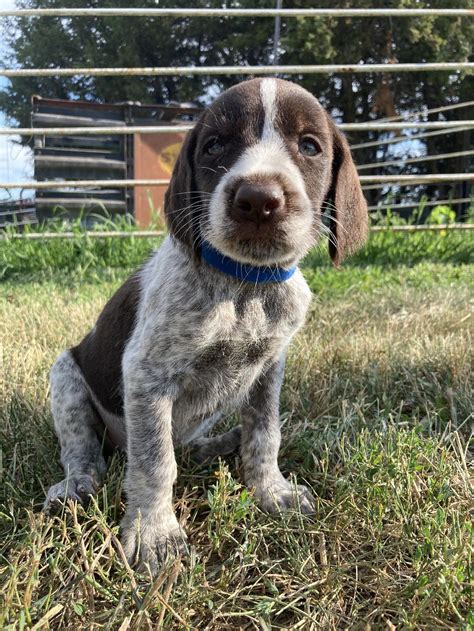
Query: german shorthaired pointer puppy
x=203, y=327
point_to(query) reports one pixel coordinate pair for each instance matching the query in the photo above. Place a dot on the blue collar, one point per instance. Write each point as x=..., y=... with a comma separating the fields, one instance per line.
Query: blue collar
x=244, y=271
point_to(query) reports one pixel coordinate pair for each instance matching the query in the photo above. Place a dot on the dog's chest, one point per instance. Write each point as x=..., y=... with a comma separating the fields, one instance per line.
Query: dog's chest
x=233, y=344
x=238, y=335
x=237, y=355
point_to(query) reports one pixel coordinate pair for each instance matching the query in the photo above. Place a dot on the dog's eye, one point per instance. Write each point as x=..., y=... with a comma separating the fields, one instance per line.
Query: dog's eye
x=309, y=147
x=214, y=147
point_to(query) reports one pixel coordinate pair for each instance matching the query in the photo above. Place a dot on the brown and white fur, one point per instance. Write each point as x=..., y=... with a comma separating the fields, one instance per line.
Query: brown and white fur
x=180, y=342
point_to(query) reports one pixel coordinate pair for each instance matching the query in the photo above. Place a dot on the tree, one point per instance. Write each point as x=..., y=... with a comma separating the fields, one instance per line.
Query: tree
x=232, y=41
x=360, y=97
x=114, y=41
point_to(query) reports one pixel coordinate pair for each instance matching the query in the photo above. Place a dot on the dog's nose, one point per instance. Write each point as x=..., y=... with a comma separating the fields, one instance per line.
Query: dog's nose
x=258, y=203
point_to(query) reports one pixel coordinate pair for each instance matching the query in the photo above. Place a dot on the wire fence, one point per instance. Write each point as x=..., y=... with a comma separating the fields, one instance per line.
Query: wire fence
x=454, y=201
x=398, y=161
x=423, y=129
x=383, y=124
x=391, y=141
x=451, y=126
x=186, y=71
x=190, y=12
x=123, y=183
x=154, y=234
x=426, y=111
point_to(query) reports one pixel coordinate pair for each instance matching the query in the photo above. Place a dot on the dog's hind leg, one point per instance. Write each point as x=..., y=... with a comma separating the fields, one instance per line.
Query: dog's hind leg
x=208, y=448
x=75, y=422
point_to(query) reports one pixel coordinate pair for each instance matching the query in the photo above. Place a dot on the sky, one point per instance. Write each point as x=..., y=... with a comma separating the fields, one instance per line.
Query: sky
x=16, y=162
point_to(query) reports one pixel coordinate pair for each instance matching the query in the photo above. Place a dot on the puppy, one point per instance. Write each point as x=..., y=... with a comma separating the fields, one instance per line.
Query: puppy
x=203, y=327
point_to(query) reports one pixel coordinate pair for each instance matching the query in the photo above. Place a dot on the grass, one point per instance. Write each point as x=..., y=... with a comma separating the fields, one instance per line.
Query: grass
x=83, y=255
x=376, y=414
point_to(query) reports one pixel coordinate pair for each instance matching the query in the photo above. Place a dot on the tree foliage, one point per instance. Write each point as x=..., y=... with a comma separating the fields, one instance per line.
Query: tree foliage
x=114, y=41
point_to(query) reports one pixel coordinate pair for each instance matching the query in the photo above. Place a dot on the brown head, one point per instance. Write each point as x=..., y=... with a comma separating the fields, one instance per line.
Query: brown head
x=256, y=173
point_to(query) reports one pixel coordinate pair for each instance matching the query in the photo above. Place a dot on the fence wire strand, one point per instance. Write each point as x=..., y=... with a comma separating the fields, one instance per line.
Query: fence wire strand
x=146, y=234
x=364, y=179
x=415, y=203
x=409, y=138
x=187, y=71
x=444, y=126
x=191, y=12
x=402, y=161
x=426, y=112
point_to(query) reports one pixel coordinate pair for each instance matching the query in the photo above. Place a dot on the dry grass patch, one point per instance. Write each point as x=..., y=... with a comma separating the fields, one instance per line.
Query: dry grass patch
x=376, y=412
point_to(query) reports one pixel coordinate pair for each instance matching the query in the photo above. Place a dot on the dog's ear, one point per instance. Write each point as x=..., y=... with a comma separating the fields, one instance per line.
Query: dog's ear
x=348, y=218
x=182, y=201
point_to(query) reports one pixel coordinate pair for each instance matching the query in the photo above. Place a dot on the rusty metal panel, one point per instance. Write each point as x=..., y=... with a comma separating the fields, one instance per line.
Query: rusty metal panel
x=154, y=158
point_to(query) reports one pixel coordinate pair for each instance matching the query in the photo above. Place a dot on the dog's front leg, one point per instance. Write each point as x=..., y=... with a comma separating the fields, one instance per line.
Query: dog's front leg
x=260, y=444
x=150, y=530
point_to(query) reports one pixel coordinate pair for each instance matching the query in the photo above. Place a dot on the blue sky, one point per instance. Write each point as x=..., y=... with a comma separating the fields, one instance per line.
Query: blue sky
x=16, y=162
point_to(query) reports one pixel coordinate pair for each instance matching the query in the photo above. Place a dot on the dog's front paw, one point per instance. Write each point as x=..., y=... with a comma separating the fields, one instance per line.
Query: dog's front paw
x=283, y=496
x=149, y=541
x=78, y=488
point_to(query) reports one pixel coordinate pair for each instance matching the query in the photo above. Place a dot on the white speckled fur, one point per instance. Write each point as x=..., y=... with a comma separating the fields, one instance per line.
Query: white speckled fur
x=201, y=343
x=172, y=413
x=75, y=422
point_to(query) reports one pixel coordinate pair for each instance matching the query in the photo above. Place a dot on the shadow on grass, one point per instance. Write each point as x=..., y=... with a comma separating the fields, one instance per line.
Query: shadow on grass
x=318, y=410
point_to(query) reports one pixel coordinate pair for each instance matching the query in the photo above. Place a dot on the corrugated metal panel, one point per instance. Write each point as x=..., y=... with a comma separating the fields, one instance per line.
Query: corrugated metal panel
x=96, y=157
x=78, y=158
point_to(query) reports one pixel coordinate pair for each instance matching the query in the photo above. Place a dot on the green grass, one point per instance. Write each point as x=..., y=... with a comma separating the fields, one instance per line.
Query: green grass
x=376, y=414
x=83, y=255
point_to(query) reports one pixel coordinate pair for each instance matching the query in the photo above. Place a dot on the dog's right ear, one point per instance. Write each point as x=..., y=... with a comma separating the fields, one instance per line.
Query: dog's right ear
x=348, y=208
x=182, y=201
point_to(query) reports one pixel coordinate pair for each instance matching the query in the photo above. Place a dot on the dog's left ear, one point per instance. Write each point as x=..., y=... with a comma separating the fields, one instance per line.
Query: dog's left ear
x=181, y=198
x=348, y=220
